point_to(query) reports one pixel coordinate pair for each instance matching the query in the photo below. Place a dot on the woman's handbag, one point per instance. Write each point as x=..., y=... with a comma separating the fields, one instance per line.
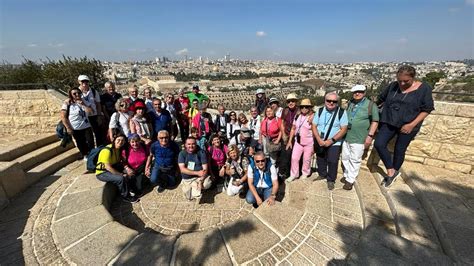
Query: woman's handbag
x=272, y=147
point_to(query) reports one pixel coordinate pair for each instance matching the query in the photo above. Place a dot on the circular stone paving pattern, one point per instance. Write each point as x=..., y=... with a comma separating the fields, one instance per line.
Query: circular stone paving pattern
x=170, y=213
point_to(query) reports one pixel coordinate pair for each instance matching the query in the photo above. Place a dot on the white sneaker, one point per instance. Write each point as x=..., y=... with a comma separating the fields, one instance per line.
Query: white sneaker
x=85, y=158
x=290, y=179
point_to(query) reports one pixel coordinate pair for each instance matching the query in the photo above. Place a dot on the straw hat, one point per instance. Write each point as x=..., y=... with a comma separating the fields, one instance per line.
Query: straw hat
x=306, y=102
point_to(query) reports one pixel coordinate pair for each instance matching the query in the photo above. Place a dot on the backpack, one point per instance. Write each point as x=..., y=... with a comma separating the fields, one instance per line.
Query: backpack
x=61, y=131
x=92, y=158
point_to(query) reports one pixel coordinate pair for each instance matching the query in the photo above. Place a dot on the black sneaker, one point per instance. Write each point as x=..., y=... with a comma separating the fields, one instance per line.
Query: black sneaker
x=160, y=189
x=330, y=185
x=389, y=180
x=131, y=199
x=320, y=178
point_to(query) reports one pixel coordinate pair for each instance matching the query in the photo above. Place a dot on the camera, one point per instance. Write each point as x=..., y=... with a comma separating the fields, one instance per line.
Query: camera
x=298, y=138
x=349, y=126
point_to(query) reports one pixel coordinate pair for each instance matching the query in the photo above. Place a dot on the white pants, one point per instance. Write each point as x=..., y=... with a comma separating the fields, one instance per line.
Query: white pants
x=351, y=158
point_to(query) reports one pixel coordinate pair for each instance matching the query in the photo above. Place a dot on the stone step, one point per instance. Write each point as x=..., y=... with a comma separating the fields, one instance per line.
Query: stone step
x=447, y=197
x=22, y=147
x=411, y=220
x=51, y=166
x=377, y=247
x=375, y=208
x=35, y=157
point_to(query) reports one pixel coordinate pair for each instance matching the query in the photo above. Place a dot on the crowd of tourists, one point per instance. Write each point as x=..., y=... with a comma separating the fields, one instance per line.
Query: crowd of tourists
x=137, y=138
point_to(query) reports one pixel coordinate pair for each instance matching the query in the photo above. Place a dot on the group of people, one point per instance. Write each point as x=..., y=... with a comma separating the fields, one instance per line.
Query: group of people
x=247, y=154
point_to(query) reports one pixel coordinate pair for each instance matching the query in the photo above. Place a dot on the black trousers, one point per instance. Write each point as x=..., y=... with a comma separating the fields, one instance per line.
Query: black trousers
x=84, y=140
x=98, y=131
x=328, y=162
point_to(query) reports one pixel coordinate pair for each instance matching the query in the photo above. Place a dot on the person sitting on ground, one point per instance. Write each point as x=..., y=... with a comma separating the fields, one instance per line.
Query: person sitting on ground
x=217, y=156
x=134, y=157
x=262, y=181
x=109, y=168
x=303, y=141
x=74, y=117
x=246, y=144
x=165, y=153
x=193, y=166
x=203, y=122
x=235, y=171
x=120, y=120
x=139, y=123
x=233, y=128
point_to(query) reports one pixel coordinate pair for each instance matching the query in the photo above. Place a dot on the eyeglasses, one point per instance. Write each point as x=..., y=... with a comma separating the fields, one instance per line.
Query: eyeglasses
x=123, y=105
x=291, y=101
x=259, y=161
x=331, y=101
x=163, y=138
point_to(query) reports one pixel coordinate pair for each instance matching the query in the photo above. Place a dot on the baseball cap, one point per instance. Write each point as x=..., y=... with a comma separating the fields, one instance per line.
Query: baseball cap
x=260, y=91
x=83, y=77
x=358, y=88
x=273, y=100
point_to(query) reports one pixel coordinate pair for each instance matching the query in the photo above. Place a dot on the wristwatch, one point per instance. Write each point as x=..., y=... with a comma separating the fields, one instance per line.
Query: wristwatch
x=333, y=140
x=371, y=135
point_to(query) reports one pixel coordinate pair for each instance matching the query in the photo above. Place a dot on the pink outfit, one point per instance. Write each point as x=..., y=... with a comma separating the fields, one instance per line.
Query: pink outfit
x=136, y=158
x=218, y=155
x=195, y=123
x=305, y=147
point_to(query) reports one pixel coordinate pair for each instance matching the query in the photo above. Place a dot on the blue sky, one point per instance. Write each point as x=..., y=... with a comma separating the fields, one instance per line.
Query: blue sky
x=296, y=30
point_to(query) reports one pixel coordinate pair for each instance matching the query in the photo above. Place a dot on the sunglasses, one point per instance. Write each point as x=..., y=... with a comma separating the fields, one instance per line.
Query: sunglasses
x=331, y=101
x=259, y=161
x=291, y=101
x=84, y=81
x=358, y=92
x=163, y=138
x=123, y=105
x=305, y=107
x=76, y=93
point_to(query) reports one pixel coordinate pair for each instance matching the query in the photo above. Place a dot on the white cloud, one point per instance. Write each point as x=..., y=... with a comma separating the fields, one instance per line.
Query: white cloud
x=56, y=45
x=182, y=51
x=470, y=2
x=32, y=45
x=402, y=40
x=261, y=34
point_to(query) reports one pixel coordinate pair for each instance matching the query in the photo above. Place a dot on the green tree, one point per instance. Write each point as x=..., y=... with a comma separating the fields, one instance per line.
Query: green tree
x=27, y=72
x=433, y=77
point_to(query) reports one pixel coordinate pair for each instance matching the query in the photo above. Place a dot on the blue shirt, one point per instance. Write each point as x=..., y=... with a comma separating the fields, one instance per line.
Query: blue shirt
x=165, y=156
x=198, y=159
x=162, y=121
x=324, y=120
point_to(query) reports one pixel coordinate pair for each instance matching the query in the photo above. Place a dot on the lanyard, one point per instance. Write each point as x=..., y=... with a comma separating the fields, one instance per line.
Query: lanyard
x=354, y=112
x=303, y=119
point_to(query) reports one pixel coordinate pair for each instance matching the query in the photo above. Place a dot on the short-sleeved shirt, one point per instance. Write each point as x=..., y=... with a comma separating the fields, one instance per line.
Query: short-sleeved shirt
x=165, y=156
x=358, y=118
x=322, y=122
x=402, y=108
x=218, y=155
x=124, y=125
x=192, y=161
x=270, y=128
x=136, y=158
x=77, y=116
x=109, y=100
x=110, y=156
x=303, y=128
x=90, y=100
x=261, y=183
x=199, y=96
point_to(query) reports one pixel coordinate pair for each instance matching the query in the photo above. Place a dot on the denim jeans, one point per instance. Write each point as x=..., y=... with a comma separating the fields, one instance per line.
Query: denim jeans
x=263, y=193
x=162, y=178
x=385, y=134
x=117, y=180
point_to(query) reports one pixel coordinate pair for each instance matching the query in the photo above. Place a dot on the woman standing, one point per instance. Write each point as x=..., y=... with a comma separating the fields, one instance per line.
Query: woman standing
x=139, y=125
x=406, y=103
x=74, y=117
x=303, y=136
x=119, y=121
x=270, y=135
x=233, y=128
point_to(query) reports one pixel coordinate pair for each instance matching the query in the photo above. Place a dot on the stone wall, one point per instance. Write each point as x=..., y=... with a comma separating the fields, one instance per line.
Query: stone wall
x=446, y=138
x=29, y=112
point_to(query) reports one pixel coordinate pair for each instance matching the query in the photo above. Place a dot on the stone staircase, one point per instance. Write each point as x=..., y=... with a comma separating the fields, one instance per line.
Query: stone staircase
x=26, y=160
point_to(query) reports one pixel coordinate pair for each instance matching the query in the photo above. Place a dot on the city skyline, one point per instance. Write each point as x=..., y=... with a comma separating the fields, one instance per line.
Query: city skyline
x=296, y=31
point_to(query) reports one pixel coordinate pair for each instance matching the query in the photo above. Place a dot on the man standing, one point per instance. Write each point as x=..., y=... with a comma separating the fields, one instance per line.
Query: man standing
x=148, y=99
x=262, y=181
x=165, y=153
x=255, y=122
x=195, y=94
x=288, y=116
x=193, y=166
x=132, y=98
x=108, y=99
x=363, y=119
x=91, y=99
x=220, y=123
x=329, y=127
x=160, y=118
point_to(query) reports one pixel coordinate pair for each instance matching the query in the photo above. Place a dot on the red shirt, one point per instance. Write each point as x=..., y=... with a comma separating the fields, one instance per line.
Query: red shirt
x=273, y=127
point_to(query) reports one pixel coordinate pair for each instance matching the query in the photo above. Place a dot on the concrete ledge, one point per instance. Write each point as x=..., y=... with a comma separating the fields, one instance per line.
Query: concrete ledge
x=12, y=178
x=20, y=148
